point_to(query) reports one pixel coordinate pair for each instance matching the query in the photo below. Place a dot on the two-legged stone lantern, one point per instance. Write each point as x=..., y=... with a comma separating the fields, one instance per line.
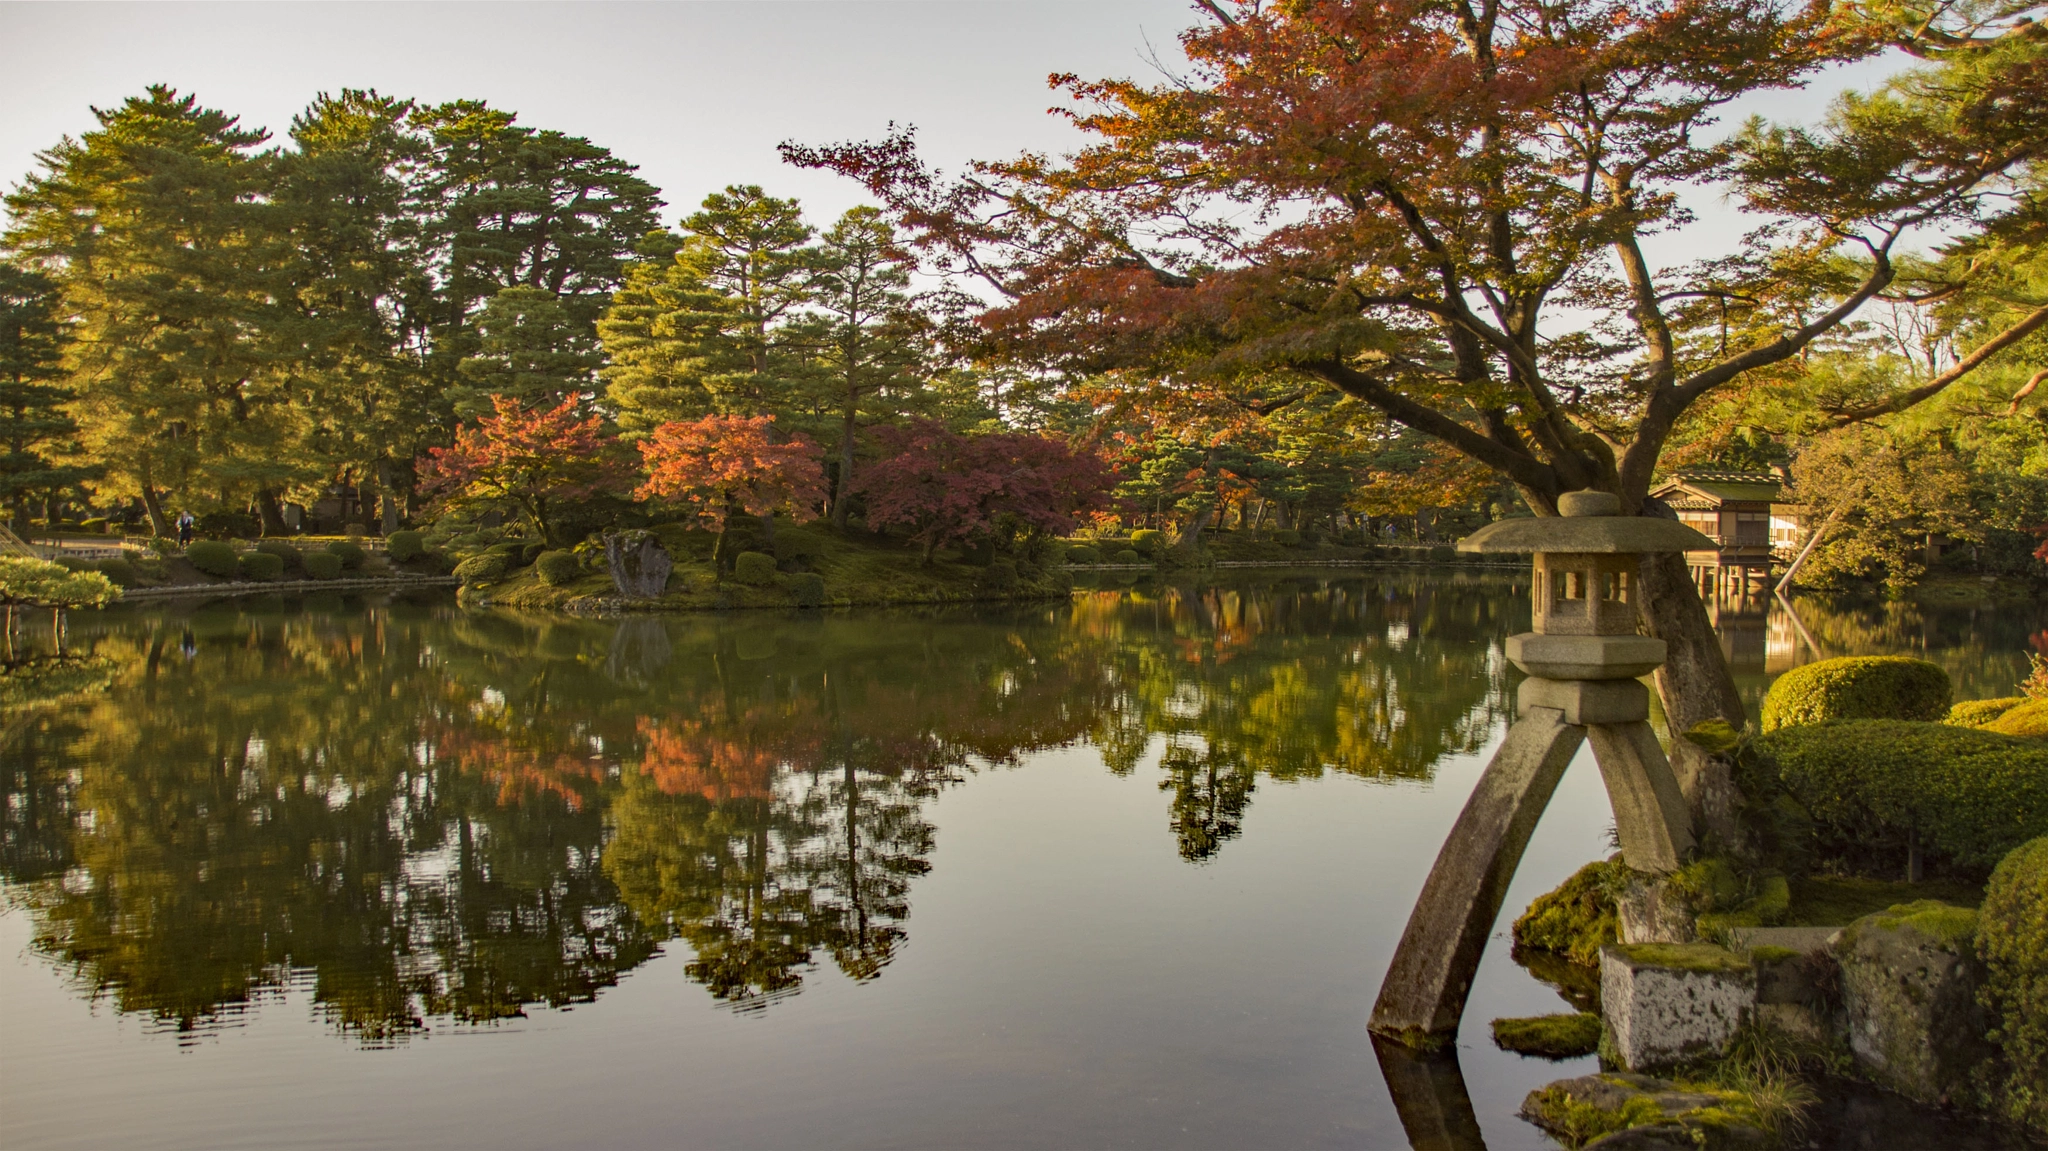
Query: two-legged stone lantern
x=1583, y=659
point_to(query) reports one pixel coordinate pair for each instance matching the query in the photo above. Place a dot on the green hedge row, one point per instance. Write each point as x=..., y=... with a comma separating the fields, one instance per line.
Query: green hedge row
x=2012, y=938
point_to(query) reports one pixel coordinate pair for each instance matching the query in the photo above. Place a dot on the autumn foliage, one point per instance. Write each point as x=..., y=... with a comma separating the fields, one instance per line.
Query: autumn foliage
x=534, y=460
x=721, y=463
x=944, y=488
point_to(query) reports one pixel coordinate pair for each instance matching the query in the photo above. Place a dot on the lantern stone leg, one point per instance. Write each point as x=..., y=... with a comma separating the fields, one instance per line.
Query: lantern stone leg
x=1425, y=989
x=1584, y=660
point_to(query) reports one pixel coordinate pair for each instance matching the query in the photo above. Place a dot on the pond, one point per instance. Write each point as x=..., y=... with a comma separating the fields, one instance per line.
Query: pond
x=1124, y=871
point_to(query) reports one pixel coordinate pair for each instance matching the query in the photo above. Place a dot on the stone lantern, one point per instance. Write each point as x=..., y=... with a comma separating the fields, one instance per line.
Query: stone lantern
x=1584, y=661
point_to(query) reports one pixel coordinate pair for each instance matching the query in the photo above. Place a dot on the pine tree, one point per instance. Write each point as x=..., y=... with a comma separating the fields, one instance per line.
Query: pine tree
x=156, y=229
x=33, y=422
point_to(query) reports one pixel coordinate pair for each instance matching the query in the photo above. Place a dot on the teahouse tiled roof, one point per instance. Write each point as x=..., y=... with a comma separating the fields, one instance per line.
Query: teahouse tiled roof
x=1692, y=489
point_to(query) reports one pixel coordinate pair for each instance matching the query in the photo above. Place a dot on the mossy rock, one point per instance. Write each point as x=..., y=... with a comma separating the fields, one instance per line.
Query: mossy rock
x=1563, y=1036
x=1970, y=795
x=1704, y=958
x=1857, y=687
x=1577, y=918
x=2012, y=940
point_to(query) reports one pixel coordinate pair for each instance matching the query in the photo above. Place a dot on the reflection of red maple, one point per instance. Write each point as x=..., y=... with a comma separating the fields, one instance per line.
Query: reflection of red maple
x=521, y=773
x=684, y=759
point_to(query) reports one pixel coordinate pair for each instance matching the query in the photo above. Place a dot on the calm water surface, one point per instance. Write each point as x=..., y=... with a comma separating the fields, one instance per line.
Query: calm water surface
x=334, y=872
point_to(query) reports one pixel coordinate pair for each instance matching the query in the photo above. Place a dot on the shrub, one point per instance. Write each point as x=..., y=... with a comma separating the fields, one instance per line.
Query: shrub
x=2012, y=937
x=530, y=553
x=1083, y=554
x=286, y=554
x=756, y=569
x=808, y=589
x=794, y=545
x=404, y=547
x=1971, y=795
x=510, y=549
x=1978, y=712
x=557, y=568
x=322, y=565
x=350, y=555
x=1443, y=554
x=1287, y=538
x=212, y=557
x=97, y=525
x=482, y=568
x=437, y=560
x=999, y=576
x=120, y=571
x=1127, y=556
x=1857, y=687
x=262, y=567
x=1148, y=542
x=1578, y=917
x=2028, y=719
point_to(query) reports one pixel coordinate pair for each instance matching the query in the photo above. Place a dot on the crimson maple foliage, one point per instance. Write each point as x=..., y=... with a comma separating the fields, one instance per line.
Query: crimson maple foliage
x=944, y=488
x=720, y=464
x=534, y=460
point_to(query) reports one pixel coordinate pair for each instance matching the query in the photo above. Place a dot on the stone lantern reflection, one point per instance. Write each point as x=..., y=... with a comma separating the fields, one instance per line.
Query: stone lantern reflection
x=1584, y=661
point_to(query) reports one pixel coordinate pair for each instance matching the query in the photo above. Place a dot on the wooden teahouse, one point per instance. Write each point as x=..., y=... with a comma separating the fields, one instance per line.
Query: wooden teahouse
x=1734, y=510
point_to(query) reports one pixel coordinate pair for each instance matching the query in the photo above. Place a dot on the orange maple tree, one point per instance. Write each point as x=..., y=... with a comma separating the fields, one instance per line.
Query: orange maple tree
x=721, y=464
x=534, y=460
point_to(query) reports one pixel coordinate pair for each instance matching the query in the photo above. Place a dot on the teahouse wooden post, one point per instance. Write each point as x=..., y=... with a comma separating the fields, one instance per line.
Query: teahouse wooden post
x=1584, y=661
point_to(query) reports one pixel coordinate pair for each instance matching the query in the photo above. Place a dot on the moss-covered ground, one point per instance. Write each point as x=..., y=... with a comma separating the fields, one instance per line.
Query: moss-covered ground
x=1836, y=901
x=858, y=570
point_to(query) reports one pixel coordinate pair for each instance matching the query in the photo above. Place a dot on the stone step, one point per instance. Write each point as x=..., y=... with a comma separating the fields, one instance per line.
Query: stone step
x=1804, y=940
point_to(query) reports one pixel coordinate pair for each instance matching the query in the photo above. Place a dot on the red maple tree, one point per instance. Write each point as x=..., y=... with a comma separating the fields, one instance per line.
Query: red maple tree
x=944, y=488
x=533, y=460
x=721, y=464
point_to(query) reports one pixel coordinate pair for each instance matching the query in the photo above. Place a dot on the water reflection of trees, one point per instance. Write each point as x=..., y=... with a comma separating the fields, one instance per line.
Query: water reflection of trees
x=412, y=813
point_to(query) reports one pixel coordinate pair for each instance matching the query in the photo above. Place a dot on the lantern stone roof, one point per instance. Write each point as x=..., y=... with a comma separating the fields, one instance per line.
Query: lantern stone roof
x=1589, y=523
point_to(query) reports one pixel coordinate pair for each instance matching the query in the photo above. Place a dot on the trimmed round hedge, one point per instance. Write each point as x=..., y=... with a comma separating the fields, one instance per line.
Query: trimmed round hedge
x=1148, y=542
x=756, y=569
x=120, y=571
x=322, y=565
x=289, y=555
x=1857, y=687
x=1971, y=795
x=262, y=567
x=1083, y=554
x=1127, y=556
x=557, y=568
x=404, y=547
x=2028, y=719
x=350, y=555
x=2012, y=938
x=482, y=568
x=807, y=589
x=1978, y=712
x=212, y=557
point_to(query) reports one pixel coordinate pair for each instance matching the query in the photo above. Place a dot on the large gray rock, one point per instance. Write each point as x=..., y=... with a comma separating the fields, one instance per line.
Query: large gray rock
x=1667, y=1003
x=1910, y=978
x=1638, y=1113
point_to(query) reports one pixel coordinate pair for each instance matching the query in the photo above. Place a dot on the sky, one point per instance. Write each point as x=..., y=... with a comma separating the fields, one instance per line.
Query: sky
x=697, y=94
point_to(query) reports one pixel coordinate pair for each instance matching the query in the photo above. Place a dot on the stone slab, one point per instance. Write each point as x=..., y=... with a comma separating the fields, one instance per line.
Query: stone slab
x=1667, y=1003
x=1586, y=656
x=1587, y=700
x=1804, y=940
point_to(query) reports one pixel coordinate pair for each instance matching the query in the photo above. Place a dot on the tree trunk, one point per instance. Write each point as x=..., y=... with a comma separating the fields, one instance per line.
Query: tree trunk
x=272, y=513
x=384, y=487
x=1696, y=686
x=839, y=495
x=159, y=523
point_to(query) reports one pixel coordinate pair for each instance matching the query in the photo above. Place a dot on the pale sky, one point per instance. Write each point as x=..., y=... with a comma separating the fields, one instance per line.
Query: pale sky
x=696, y=94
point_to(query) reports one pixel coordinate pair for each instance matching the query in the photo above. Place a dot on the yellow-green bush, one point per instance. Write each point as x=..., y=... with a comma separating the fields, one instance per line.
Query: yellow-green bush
x=212, y=557
x=2029, y=719
x=404, y=546
x=754, y=568
x=261, y=566
x=2012, y=937
x=290, y=556
x=482, y=568
x=1148, y=542
x=350, y=555
x=807, y=589
x=557, y=568
x=1971, y=795
x=1083, y=554
x=1578, y=917
x=1857, y=687
x=1127, y=556
x=1978, y=712
x=322, y=565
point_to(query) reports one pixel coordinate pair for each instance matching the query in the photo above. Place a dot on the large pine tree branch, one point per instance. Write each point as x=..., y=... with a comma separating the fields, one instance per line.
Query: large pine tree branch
x=2031, y=323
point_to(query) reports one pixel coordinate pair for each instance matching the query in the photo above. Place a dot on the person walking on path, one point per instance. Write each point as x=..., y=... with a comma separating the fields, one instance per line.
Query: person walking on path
x=185, y=525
